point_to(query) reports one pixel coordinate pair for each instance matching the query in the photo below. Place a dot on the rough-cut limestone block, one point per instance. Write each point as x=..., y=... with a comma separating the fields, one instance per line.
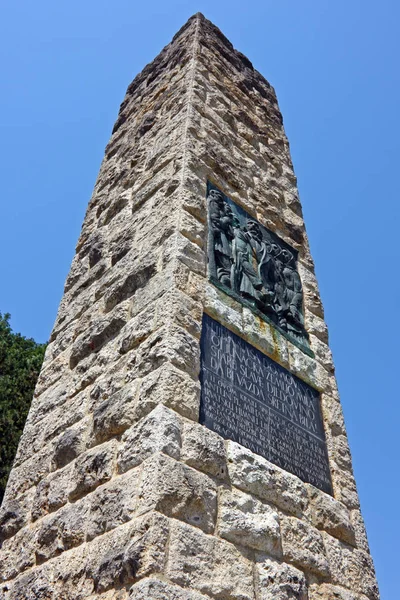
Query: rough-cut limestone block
x=71, y=412
x=62, y=530
x=115, y=414
x=359, y=529
x=113, y=504
x=258, y=332
x=153, y=589
x=330, y=515
x=70, y=580
x=341, y=452
x=52, y=492
x=92, y=469
x=222, y=307
x=332, y=414
x=15, y=513
x=203, y=562
x=203, y=450
x=344, y=487
x=128, y=553
x=93, y=339
x=28, y=474
x=178, y=491
x=280, y=581
x=245, y=521
x=350, y=567
x=111, y=595
x=160, y=431
x=138, y=329
x=326, y=591
x=172, y=387
x=303, y=546
x=183, y=310
x=169, y=344
x=258, y=476
x=70, y=444
x=35, y=585
x=17, y=553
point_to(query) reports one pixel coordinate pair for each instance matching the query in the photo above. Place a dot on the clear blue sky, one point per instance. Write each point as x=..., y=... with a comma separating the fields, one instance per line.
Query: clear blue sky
x=335, y=67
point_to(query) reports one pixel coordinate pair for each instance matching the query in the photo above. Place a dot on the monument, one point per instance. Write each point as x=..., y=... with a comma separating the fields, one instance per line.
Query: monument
x=186, y=439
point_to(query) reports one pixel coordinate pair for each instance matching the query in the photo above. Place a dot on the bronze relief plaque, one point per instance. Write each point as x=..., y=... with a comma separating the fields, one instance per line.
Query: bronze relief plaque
x=255, y=266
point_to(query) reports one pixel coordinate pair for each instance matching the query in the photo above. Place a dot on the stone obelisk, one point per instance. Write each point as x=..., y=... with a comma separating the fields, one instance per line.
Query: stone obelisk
x=186, y=439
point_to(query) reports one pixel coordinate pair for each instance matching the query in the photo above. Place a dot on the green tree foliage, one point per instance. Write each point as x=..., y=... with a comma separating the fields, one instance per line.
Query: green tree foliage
x=20, y=362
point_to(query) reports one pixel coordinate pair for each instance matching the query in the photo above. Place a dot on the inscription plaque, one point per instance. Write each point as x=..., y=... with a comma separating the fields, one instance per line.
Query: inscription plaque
x=250, y=399
x=255, y=266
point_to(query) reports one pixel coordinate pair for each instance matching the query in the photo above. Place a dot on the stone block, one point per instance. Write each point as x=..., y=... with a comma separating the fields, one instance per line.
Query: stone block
x=113, y=504
x=35, y=585
x=358, y=524
x=303, y=546
x=326, y=591
x=245, y=521
x=160, y=431
x=203, y=450
x=92, y=469
x=61, y=531
x=280, y=581
x=14, y=514
x=155, y=589
x=17, y=553
x=330, y=515
x=178, y=491
x=28, y=474
x=223, y=308
x=351, y=568
x=169, y=344
x=115, y=414
x=128, y=553
x=344, y=487
x=93, y=339
x=70, y=580
x=258, y=476
x=52, y=492
x=172, y=387
x=205, y=563
x=70, y=444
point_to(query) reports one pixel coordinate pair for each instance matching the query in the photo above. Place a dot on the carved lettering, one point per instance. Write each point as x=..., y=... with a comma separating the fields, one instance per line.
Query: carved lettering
x=250, y=399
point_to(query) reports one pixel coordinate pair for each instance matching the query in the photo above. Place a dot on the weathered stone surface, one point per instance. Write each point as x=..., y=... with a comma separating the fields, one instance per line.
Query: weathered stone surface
x=204, y=450
x=116, y=413
x=113, y=504
x=172, y=387
x=70, y=444
x=14, y=514
x=303, y=546
x=280, y=581
x=92, y=469
x=61, y=531
x=161, y=590
x=52, y=492
x=246, y=521
x=258, y=476
x=204, y=563
x=17, y=553
x=178, y=491
x=350, y=567
x=326, y=591
x=160, y=431
x=129, y=552
x=330, y=515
